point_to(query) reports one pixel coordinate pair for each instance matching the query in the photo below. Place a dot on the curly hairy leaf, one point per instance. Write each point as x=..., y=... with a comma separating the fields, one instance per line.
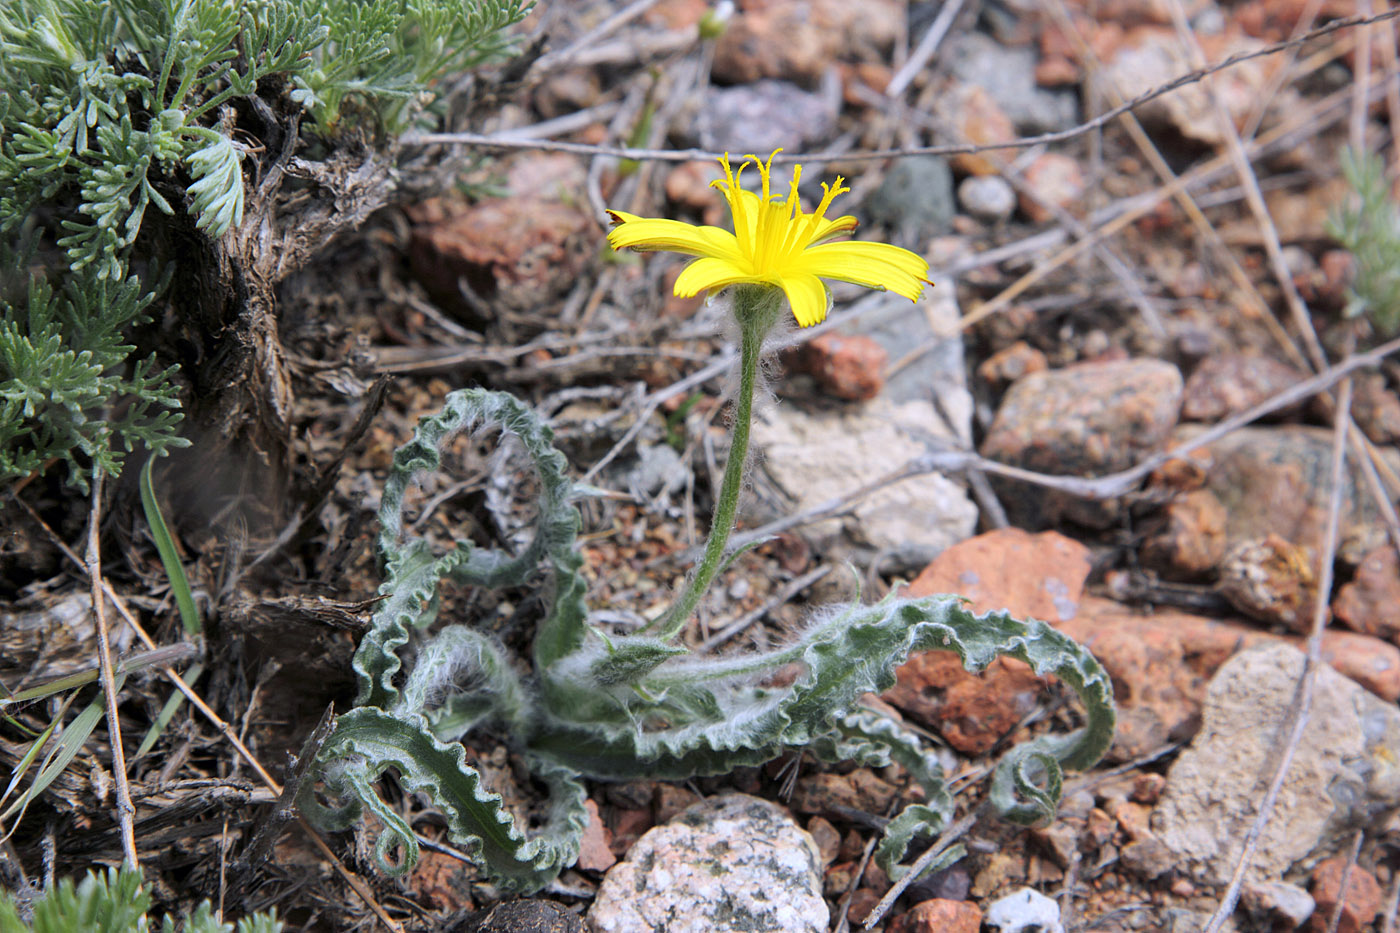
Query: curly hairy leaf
x=369, y=741
x=412, y=570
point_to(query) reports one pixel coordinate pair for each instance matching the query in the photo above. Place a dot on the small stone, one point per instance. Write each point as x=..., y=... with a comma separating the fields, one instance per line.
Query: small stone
x=863, y=901
x=1361, y=902
x=915, y=196
x=764, y=116
x=939, y=916
x=827, y=838
x=1052, y=182
x=1147, y=788
x=1147, y=858
x=974, y=117
x=1084, y=420
x=1026, y=910
x=534, y=915
x=1271, y=580
x=845, y=367
x=1193, y=542
x=728, y=857
x=443, y=881
x=671, y=799
x=989, y=198
x=595, y=852
x=1285, y=906
x=839, y=794
x=1376, y=408
x=1011, y=363
x=799, y=39
x=1060, y=840
x=688, y=186
x=972, y=712
x=1370, y=603
x=1007, y=74
x=1228, y=383
x=1343, y=769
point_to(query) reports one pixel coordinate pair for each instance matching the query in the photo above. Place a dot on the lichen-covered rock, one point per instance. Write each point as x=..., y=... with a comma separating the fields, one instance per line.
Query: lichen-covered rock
x=1343, y=773
x=728, y=864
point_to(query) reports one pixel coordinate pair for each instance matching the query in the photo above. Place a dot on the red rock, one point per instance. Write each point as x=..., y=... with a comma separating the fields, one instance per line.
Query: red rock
x=971, y=712
x=846, y=367
x=1370, y=603
x=444, y=882
x=863, y=901
x=1011, y=363
x=1147, y=788
x=1193, y=542
x=1037, y=575
x=627, y=826
x=1052, y=182
x=1030, y=575
x=1228, y=383
x=595, y=852
x=1133, y=818
x=688, y=186
x=1272, y=580
x=671, y=799
x=797, y=40
x=973, y=116
x=939, y=916
x=1361, y=903
x=518, y=250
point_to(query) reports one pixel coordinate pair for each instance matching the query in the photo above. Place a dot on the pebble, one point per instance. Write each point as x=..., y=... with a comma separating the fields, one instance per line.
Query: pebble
x=851, y=368
x=1053, y=182
x=524, y=916
x=728, y=864
x=973, y=116
x=1226, y=384
x=1272, y=580
x=1343, y=769
x=1192, y=542
x=807, y=460
x=1361, y=902
x=1026, y=910
x=1375, y=408
x=838, y=794
x=799, y=39
x=1007, y=74
x=989, y=198
x=1370, y=603
x=595, y=850
x=764, y=116
x=1285, y=906
x=1011, y=363
x=915, y=197
x=939, y=916
x=1084, y=420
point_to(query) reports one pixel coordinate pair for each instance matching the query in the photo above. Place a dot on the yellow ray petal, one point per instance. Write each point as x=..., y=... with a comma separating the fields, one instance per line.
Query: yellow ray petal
x=658, y=233
x=874, y=265
x=709, y=273
x=809, y=298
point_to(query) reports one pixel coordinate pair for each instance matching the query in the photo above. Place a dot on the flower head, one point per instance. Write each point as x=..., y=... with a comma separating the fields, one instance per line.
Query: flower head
x=775, y=243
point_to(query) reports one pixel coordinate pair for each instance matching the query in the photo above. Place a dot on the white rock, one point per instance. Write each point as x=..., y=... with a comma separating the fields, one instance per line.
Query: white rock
x=1026, y=909
x=818, y=457
x=727, y=864
x=1345, y=770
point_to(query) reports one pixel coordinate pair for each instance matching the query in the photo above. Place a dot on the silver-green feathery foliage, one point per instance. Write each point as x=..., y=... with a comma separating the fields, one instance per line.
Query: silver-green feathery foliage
x=109, y=110
x=1370, y=228
x=113, y=902
x=610, y=706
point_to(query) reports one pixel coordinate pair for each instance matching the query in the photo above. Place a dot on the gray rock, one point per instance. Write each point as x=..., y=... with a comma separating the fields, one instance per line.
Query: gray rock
x=939, y=373
x=1025, y=910
x=1285, y=905
x=915, y=197
x=1008, y=74
x=728, y=864
x=811, y=459
x=1343, y=773
x=764, y=116
x=989, y=198
x=524, y=916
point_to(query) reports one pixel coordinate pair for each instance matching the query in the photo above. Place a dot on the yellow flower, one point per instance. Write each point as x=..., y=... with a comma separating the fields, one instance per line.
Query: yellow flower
x=775, y=243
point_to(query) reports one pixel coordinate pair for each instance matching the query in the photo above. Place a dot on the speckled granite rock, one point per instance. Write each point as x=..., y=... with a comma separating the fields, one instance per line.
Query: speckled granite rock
x=1084, y=420
x=727, y=864
x=1344, y=771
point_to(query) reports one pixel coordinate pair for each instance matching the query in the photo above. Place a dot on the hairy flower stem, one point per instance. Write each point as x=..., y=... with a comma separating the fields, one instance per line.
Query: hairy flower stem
x=757, y=308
